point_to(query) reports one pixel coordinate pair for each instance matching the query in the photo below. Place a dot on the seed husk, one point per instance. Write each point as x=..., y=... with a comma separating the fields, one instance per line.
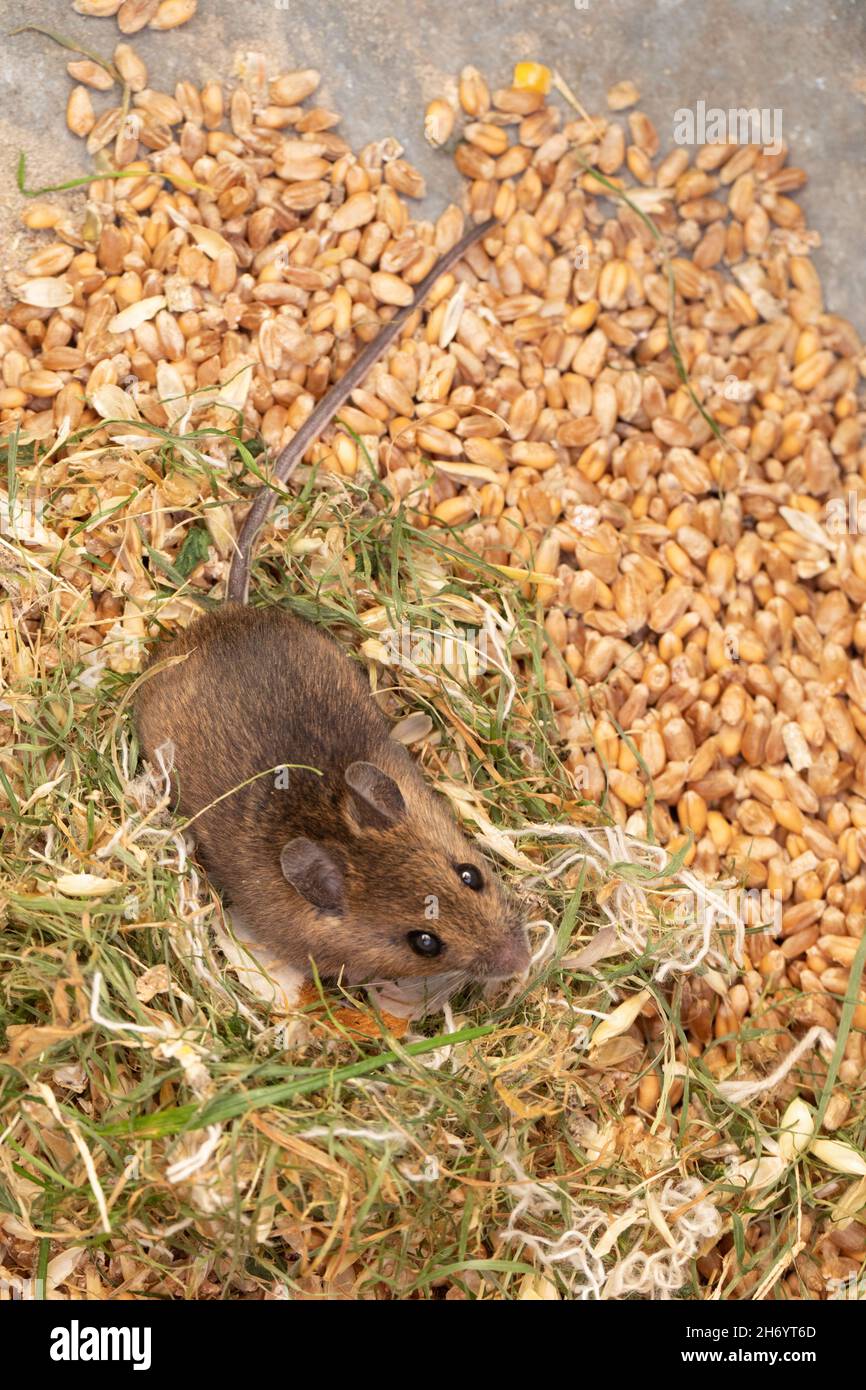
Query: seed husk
x=45, y=292
x=97, y=9
x=438, y=122
x=135, y=15
x=294, y=87
x=622, y=95
x=170, y=14
x=80, y=115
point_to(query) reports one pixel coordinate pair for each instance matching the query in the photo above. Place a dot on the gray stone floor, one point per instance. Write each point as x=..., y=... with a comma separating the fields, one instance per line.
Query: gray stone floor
x=382, y=60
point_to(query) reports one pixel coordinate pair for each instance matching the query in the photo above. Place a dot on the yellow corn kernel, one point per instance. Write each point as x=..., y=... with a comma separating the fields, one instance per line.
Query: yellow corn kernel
x=532, y=77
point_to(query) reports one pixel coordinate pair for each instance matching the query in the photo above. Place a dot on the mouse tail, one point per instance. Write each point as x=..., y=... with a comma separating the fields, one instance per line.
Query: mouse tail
x=237, y=590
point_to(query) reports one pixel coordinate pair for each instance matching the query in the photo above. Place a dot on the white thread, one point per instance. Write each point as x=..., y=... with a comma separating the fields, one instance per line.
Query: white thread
x=429, y=1171
x=372, y=1136
x=739, y=1091
x=183, y=1168
x=625, y=908
x=117, y=1025
x=580, y=1251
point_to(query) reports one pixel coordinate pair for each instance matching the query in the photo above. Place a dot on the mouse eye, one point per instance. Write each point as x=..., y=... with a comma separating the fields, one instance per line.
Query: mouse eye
x=470, y=877
x=424, y=943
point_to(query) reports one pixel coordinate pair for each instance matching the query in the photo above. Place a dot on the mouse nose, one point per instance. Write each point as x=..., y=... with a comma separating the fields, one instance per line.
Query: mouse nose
x=511, y=958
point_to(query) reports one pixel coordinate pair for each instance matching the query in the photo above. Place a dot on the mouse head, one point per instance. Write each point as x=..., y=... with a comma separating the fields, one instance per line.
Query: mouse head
x=402, y=892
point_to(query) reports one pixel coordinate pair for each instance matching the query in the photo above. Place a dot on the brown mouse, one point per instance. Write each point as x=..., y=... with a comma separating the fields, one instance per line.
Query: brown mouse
x=318, y=827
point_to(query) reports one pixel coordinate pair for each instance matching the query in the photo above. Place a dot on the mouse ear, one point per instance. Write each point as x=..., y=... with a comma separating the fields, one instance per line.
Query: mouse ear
x=376, y=799
x=311, y=870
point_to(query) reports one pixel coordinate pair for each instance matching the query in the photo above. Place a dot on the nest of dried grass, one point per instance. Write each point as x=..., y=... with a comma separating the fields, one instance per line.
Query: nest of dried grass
x=169, y=1131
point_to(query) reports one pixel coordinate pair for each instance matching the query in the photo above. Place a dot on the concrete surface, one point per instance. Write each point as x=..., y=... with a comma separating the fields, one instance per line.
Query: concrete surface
x=382, y=60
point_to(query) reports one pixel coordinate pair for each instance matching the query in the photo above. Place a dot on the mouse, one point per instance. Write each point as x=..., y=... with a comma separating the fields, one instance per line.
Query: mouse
x=318, y=828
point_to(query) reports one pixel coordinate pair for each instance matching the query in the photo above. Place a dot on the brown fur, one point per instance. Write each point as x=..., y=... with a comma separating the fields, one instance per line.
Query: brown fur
x=260, y=689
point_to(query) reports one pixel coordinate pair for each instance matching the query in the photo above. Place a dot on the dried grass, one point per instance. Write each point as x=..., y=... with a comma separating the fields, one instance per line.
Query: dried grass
x=172, y=1127
x=169, y=1133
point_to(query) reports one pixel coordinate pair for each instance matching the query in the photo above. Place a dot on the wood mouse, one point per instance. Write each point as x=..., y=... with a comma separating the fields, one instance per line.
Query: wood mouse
x=319, y=828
